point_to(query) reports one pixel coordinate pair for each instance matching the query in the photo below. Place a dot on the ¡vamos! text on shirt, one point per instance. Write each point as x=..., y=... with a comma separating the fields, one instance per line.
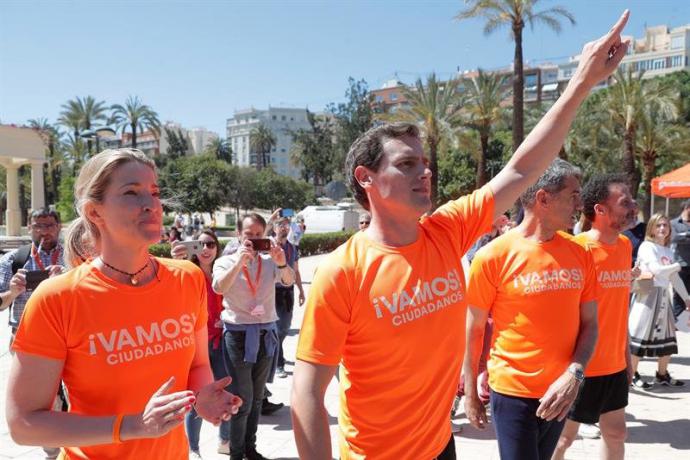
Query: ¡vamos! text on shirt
x=425, y=296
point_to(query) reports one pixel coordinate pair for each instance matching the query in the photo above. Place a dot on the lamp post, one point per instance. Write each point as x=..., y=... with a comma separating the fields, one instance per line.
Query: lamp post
x=98, y=134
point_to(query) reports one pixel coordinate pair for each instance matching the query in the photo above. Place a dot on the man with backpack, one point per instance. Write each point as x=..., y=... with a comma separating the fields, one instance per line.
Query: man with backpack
x=23, y=268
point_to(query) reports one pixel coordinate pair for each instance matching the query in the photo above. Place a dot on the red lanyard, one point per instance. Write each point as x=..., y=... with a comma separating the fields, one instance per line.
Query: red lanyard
x=37, y=257
x=253, y=287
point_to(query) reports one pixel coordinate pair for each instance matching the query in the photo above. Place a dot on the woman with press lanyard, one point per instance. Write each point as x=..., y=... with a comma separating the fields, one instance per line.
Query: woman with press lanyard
x=120, y=329
x=208, y=254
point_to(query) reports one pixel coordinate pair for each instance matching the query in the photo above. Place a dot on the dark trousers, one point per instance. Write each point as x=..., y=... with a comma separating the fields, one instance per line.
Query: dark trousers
x=248, y=382
x=285, y=301
x=521, y=434
x=678, y=304
x=192, y=422
x=449, y=452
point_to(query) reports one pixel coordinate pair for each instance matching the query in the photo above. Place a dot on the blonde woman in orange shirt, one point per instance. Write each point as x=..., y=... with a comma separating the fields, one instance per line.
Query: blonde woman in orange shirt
x=120, y=329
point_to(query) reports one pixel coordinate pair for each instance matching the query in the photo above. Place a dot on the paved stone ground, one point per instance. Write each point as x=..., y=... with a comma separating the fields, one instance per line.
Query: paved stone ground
x=658, y=420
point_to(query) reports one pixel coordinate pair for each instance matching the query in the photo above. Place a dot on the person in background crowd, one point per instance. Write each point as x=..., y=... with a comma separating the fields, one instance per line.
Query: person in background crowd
x=651, y=322
x=175, y=235
x=364, y=220
x=209, y=253
x=611, y=209
x=680, y=244
x=44, y=253
x=285, y=295
x=247, y=279
x=120, y=329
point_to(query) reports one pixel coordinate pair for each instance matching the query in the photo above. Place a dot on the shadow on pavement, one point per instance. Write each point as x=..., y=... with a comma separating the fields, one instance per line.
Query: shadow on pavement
x=283, y=422
x=672, y=432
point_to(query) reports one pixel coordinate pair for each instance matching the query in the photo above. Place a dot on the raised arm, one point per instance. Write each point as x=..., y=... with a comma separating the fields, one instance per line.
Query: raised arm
x=598, y=60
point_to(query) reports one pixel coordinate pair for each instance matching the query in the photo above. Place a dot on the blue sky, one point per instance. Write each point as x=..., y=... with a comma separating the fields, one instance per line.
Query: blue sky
x=195, y=62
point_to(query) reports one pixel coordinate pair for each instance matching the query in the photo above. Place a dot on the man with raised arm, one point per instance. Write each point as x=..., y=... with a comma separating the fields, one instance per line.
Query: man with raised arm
x=389, y=304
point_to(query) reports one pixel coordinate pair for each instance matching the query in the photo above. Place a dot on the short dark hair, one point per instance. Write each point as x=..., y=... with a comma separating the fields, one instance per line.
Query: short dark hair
x=214, y=237
x=253, y=216
x=367, y=151
x=685, y=204
x=551, y=181
x=597, y=191
x=45, y=212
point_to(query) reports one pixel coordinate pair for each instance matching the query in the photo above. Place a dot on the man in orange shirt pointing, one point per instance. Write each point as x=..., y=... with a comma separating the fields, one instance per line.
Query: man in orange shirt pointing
x=611, y=209
x=389, y=305
x=540, y=288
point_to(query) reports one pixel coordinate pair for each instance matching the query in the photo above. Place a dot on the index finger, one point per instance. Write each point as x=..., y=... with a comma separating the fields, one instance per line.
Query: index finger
x=614, y=34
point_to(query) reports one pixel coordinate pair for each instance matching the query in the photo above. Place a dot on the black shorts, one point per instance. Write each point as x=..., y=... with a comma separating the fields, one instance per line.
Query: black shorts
x=600, y=395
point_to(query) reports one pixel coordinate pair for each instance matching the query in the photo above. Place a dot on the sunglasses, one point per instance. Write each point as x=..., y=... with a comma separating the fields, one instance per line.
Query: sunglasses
x=208, y=244
x=364, y=222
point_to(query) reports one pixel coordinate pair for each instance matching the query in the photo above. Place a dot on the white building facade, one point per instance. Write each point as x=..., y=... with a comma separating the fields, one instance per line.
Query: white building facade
x=281, y=122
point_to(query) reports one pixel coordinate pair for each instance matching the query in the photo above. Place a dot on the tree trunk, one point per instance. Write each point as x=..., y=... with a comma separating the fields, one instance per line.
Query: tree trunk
x=432, y=142
x=134, y=135
x=629, y=167
x=481, y=164
x=649, y=166
x=518, y=88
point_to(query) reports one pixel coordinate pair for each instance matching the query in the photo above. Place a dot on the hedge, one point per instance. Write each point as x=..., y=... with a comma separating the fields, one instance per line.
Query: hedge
x=310, y=245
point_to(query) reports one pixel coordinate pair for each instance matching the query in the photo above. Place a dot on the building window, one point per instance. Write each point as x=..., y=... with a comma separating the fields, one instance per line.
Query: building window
x=283, y=118
x=677, y=61
x=659, y=64
x=274, y=118
x=292, y=118
x=378, y=98
x=394, y=96
x=678, y=42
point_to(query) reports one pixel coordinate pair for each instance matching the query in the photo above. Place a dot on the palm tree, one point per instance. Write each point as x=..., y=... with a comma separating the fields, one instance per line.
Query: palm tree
x=82, y=115
x=658, y=136
x=51, y=138
x=435, y=107
x=136, y=116
x=220, y=148
x=482, y=111
x=626, y=102
x=261, y=142
x=515, y=13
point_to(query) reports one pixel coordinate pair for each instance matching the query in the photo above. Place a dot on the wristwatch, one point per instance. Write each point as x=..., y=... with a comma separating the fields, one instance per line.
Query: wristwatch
x=577, y=372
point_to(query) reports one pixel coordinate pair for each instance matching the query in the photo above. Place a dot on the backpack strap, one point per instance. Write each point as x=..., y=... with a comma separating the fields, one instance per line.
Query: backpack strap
x=20, y=257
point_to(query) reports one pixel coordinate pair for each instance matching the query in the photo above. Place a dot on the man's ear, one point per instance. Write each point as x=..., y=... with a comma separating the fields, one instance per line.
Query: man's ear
x=599, y=209
x=363, y=176
x=541, y=197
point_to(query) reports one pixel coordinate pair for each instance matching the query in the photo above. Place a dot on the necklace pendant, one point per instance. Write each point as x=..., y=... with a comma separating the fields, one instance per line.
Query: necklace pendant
x=134, y=281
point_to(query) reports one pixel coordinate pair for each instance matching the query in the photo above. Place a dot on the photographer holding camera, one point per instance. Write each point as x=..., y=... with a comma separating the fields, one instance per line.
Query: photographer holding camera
x=247, y=279
x=680, y=243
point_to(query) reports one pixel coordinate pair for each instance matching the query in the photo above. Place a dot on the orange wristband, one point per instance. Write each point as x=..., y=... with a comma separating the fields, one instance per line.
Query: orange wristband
x=116, y=429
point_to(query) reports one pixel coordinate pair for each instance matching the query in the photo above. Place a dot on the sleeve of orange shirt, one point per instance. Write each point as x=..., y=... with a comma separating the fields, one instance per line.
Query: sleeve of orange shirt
x=591, y=289
x=482, y=285
x=468, y=217
x=43, y=317
x=327, y=315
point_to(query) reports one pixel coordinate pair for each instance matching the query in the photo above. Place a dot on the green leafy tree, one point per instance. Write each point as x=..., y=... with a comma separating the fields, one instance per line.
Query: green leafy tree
x=261, y=142
x=435, y=107
x=197, y=183
x=65, y=205
x=352, y=117
x=178, y=146
x=482, y=111
x=515, y=14
x=314, y=151
x=136, y=116
x=457, y=174
x=81, y=115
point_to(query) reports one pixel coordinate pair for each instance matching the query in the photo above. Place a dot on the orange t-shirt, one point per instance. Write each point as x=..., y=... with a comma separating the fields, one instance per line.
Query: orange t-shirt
x=612, y=264
x=395, y=316
x=533, y=291
x=119, y=344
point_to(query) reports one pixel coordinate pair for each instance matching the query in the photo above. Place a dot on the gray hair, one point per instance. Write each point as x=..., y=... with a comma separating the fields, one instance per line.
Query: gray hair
x=552, y=181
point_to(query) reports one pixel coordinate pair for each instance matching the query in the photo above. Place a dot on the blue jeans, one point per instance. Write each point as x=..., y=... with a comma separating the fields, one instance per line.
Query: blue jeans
x=248, y=382
x=192, y=422
x=285, y=301
x=521, y=434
